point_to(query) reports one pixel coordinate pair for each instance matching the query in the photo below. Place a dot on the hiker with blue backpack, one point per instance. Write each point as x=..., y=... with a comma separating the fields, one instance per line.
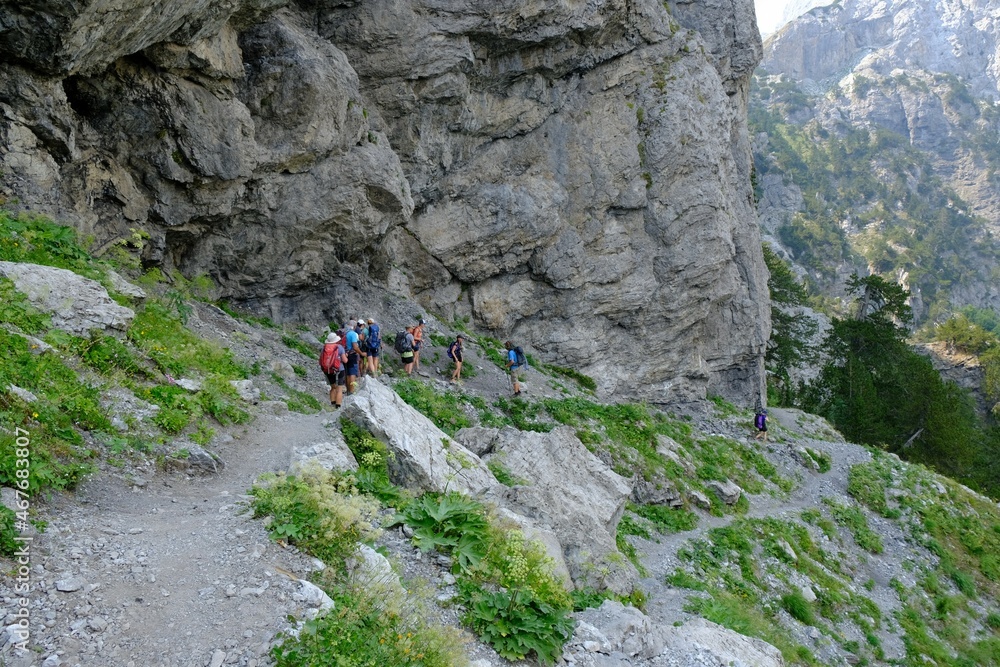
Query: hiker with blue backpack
x=760, y=423
x=515, y=362
x=374, y=346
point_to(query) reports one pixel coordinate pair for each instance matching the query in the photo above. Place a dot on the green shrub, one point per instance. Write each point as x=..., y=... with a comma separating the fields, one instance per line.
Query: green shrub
x=106, y=354
x=319, y=512
x=503, y=475
x=513, y=599
x=8, y=545
x=798, y=607
x=364, y=631
x=515, y=623
x=450, y=523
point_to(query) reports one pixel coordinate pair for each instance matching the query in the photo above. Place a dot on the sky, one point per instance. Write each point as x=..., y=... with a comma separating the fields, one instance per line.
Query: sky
x=769, y=14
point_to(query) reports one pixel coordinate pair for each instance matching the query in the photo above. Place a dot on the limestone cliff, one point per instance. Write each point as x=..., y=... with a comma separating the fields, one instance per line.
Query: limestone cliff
x=575, y=175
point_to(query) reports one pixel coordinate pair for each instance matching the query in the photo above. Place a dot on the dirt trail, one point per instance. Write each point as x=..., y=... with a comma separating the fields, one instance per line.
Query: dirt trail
x=666, y=603
x=166, y=569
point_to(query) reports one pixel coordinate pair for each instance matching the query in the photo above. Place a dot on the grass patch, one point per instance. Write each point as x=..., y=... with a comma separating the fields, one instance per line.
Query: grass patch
x=503, y=475
x=446, y=411
x=299, y=346
x=666, y=519
x=798, y=607
x=731, y=611
x=584, y=381
x=161, y=335
x=854, y=520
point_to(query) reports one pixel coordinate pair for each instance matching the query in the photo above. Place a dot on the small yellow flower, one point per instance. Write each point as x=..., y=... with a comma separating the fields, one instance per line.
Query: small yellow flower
x=34, y=415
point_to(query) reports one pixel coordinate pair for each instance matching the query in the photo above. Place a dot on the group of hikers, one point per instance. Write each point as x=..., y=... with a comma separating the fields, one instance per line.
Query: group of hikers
x=354, y=351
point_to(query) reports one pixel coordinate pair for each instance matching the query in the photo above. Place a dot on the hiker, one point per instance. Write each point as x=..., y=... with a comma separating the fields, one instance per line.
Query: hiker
x=418, y=341
x=404, y=345
x=760, y=423
x=515, y=362
x=331, y=362
x=362, y=328
x=455, y=354
x=374, y=342
x=354, y=356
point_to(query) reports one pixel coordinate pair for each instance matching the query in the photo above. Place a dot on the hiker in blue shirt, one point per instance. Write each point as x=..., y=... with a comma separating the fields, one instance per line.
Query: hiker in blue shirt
x=354, y=355
x=515, y=362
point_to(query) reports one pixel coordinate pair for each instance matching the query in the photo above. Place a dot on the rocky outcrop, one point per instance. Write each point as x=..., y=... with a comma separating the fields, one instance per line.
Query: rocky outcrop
x=614, y=634
x=75, y=304
x=422, y=457
x=563, y=174
x=570, y=491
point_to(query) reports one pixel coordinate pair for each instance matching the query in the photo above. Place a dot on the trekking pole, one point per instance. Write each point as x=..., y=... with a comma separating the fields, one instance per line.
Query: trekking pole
x=510, y=384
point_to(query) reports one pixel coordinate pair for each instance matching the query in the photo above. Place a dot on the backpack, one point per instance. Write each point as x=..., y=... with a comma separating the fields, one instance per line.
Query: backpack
x=451, y=350
x=758, y=421
x=519, y=354
x=329, y=360
x=374, y=338
x=401, y=344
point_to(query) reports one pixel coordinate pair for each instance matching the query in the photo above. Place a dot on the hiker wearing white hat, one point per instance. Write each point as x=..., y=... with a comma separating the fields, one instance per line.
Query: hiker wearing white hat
x=331, y=361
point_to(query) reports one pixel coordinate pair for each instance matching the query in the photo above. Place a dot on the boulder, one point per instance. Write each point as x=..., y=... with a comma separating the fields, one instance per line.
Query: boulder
x=76, y=304
x=246, y=389
x=423, y=458
x=372, y=571
x=727, y=646
x=331, y=453
x=614, y=631
x=660, y=492
x=727, y=491
x=575, y=495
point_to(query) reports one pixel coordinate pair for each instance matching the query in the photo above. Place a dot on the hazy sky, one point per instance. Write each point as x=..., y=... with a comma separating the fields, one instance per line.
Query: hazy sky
x=769, y=14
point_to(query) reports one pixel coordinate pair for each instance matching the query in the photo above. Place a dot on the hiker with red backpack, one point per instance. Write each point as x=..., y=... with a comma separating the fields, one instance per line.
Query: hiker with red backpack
x=331, y=361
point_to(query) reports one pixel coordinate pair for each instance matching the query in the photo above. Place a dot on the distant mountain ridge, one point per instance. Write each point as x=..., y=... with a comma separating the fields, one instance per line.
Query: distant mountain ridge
x=877, y=125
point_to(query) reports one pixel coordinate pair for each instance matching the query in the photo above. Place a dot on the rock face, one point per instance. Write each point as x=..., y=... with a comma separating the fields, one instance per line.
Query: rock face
x=562, y=173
